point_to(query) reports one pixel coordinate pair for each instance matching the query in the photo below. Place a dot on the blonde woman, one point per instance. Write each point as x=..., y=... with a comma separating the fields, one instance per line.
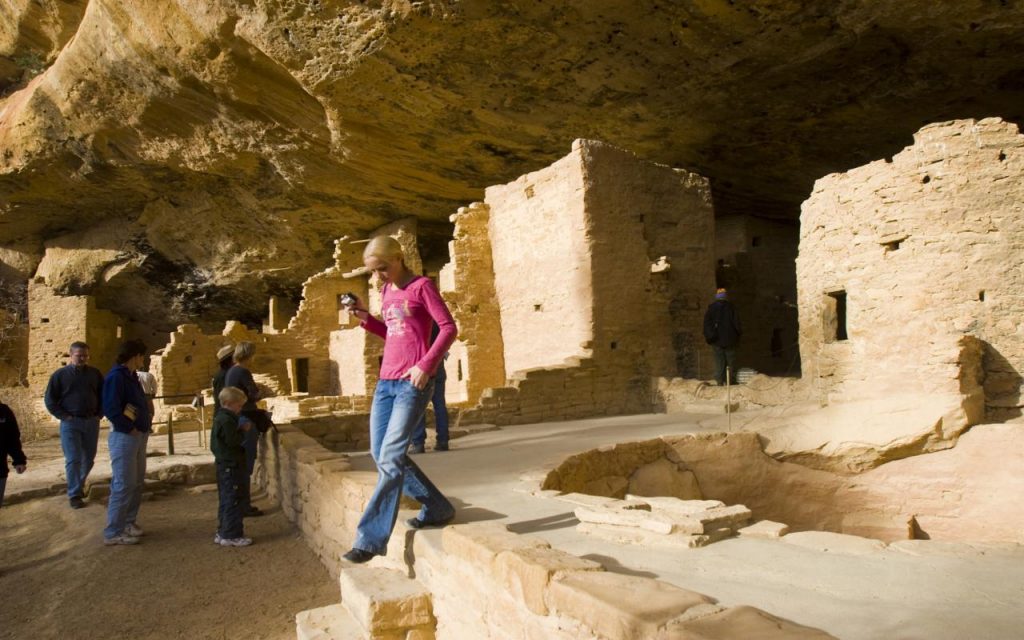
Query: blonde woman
x=410, y=307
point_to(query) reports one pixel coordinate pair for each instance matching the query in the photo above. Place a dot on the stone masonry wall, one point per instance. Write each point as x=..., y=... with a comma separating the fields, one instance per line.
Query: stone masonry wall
x=486, y=581
x=477, y=360
x=651, y=234
x=56, y=321
x=926, y=247
x=542, y=271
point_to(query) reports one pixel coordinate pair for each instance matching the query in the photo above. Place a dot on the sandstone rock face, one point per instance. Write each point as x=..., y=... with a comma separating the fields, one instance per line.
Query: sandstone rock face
x=231, y=142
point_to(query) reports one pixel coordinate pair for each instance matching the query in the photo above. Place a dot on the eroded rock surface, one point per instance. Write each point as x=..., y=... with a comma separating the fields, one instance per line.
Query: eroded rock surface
x=230, y=142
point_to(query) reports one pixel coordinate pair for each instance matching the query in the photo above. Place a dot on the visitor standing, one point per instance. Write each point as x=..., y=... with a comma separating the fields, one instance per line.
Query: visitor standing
x=410, y=303
x=10, y=447
x=722, y=331
x=74, y=395
x=240, y=376
x=126, y=407
x=226, y=440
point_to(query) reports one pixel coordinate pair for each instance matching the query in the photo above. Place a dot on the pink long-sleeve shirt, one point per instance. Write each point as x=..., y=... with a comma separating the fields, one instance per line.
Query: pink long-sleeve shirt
x=408, y=316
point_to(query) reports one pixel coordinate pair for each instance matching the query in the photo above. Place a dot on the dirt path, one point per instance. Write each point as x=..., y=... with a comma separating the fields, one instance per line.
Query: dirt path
x=57, y=580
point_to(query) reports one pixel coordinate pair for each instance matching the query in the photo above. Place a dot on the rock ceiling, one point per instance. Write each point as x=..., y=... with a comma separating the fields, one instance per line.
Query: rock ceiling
x=183, y=158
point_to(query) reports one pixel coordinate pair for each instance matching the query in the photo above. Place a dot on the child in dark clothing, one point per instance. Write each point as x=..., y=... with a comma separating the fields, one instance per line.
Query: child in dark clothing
x=10, y=447
x=226, y=442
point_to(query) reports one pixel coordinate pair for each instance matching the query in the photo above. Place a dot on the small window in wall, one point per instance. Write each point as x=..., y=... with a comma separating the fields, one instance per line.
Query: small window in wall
x=459, y=373
x=188, y=359
x=981, y=296
x=44, y=320
x=838, y=316
x=755, y=241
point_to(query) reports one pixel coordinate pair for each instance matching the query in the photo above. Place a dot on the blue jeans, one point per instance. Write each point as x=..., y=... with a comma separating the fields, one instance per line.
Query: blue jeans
x=440, y=412
x=128, y=478
x=79, y=438
x=397, y=408
x=229, y=509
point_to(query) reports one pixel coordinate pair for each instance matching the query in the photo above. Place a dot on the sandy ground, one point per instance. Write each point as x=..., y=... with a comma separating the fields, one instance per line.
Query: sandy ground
x=58, y=580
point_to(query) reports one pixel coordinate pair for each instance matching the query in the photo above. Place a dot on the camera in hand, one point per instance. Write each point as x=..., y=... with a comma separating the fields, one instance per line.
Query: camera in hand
x=349, y=299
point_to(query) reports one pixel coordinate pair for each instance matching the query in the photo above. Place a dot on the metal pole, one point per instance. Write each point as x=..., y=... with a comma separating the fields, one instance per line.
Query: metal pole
x=170, y=434
x=728, y=395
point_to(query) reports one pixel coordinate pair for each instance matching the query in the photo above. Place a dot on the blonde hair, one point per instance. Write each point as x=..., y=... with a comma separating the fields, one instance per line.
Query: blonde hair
x=231, y=395
x=383, y=248
x=244, y=351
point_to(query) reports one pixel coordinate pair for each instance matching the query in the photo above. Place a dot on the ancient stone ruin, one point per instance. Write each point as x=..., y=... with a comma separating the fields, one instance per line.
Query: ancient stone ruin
x=215, y=180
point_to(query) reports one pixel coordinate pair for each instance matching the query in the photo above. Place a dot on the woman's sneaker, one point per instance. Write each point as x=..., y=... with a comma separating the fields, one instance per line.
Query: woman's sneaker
x=217, y=538
x=121, y=539
x=235, y=542
x=133, y=530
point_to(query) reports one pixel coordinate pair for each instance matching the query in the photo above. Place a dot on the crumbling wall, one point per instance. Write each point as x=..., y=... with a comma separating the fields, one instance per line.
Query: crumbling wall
x=651, y=239
x=477, y=360
x=756, y=263
x=601, y=262
x=55, y=321
x=919, y=251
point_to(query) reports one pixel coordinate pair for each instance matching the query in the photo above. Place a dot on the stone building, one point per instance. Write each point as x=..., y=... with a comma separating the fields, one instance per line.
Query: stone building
x=910, y=273
x=55, y=321
x=591, y=279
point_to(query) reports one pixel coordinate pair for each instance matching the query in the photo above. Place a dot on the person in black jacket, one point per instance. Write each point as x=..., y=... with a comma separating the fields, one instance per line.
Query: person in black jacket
x=722, y=331
x=10, y=446
x=74, y=396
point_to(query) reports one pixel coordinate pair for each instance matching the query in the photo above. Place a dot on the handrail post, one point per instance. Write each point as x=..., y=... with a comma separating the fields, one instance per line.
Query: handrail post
x=170, y=433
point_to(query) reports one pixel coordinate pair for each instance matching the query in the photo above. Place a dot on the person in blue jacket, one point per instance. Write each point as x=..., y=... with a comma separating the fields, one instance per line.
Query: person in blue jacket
x=126, y=407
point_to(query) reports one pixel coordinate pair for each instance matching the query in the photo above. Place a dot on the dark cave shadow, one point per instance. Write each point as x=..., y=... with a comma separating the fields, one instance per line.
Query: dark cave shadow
x=613, y=565
x=1001, y=382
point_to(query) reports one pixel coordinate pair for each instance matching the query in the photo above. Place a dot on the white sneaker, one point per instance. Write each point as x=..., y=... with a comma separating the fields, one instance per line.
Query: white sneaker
x=133, y=530
x=121, y=539
x=235, y=542
x=217, y=538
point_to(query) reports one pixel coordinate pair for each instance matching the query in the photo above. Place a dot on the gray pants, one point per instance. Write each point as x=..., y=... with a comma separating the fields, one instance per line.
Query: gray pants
x=724, y=358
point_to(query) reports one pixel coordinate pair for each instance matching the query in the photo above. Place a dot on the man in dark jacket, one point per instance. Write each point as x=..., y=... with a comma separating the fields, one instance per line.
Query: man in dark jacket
x=10, y=446
x=126, y=406
x=74, y=396
x=722, y=331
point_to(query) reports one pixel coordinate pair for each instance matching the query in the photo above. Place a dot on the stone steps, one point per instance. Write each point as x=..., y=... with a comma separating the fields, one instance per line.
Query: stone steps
x=376, y=604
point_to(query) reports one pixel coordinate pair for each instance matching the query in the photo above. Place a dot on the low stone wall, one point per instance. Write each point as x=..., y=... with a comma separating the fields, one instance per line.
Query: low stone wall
x=486, y=581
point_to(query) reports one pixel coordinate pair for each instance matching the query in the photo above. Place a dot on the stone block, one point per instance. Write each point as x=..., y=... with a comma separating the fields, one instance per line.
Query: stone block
x=738, y=622
x=764, y=529
x=527, y=572
x=829, y=542
x=332, y=622
x=480, y=543
x=619, y=607
x=384, y=600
